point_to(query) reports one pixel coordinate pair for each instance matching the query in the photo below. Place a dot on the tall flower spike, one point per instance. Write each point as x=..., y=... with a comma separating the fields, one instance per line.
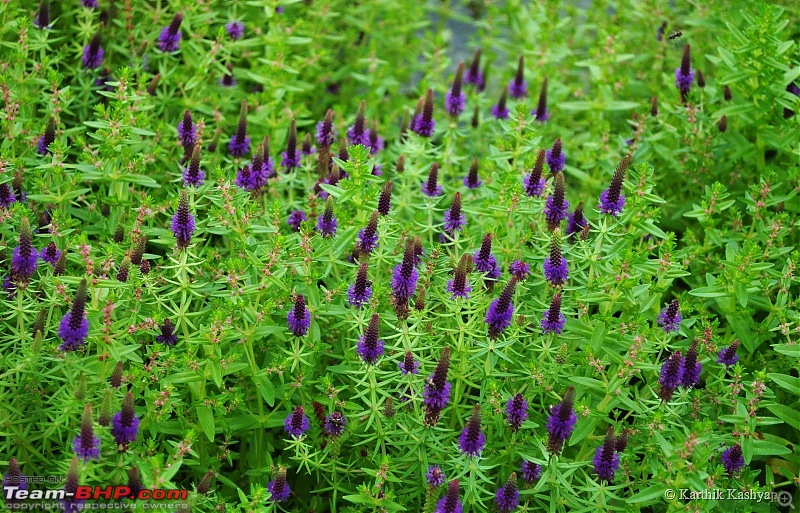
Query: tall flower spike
x=299, y=317
x=501, y=311
x=732, y=459
x=606, y=459
x=360, y=292
x=561, y=422
x=168, y=337
x=535, y=182
x=93, y=53
x=267, y=169
x=327, y=223
x=239, y=144
x=47, y=138
x=518, y=88
x=71, y=484
x=7, y=197
x=278, y=488
x=485, y=261
x=555, y=265
x=576, y=222
x=170, y=38
x=670, y=317
x=691, y=367
x=187, y=130
x=125, y=424
x=423, y=123
x=516, y=412
x=472, y=439
x=499, y=110
x=474, y=75
x=116, y=375
x=454, y=219
x=192, y=174
x=450, y=503
x=183, y=224
x=612, y=200
x=471, y=181
x=385, y=199
x=370, y=348
x=358, y=132
x=557, y=206
x=553, y=320
x=404, y=279
x=368, y=237
x=24, y=258
x=326, y=133
x=459, y=286
x=134, y=482
x=507, y=496
x=139, y=249
x=430, y=188
x=556, y=158
x=727, y=355
x=671, y=375
x=296, y=423
x=541, y=112
x=290, y=158
x=409, y=365
x=74, y=327
x=455, y=99
x=684, y=75
x=86, y=445
x=436, y=394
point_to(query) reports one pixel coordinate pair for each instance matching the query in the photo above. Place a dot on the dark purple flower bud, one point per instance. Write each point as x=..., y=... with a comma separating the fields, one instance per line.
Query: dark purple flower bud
x=553, y=320
x=701, y=80
x=152, y=88
x=86, y=445
x=299, y=317
x=335, y=424
x=192, y=174
x=296, y=423
x=473, y=75
x=561, y=422
x=691, y=367
x=134, y=482
x=507, y=496
x=93, y=53
x=654, y=106
x=24, y=258
x=71, y=484
x=485, y=261
x=541, y=112
x=370, y=348
x=531, y=472
x=74, y=327
x=793, y=89
x=42, y=20
x=409, y=365
x=263, y=166
x=61, y=265
x=501, y=311
x=385, y=199
x=368, y=237
x=376, y=142
x=7, y=197
x=246, y=179
x=295, y=219
x=144, y=267
x=187, y=130
x=499, y=110
x=116, y=375
x=124, y=270
x=722, y=125
x=430, y=188
x=732, y=459
x=534, y=182
x=459, y=286
x=450, y=503
x=684, y=75
x=404, y=280
x=476, y=117
x=670, y=317
x=125, y=424
x=14, y=476
x=518, y=88
x=290, y=158
x=556, y=158
x=139, y=249
x=170, y=38
x=360, y=292
x=516, y=411
x=40, y=324
x=423, y=123
x=307, y=147
x=519, y=269
x=660, y=31
x=235, y=30
x=726, y=93
x=455, y=99
x=622, y=441
x=327, y=223
x=358, y=133
x=454, y=220
x=612, y=200
x=471, y=181
x=228, y=80
x=671, y=375
x=435, y=476
x=576, y=222
x=727, y=355
x=436, y=394
x=606, y=459
x=168, y=337
x=183, y=224
x=239, y=144
x=555, y=266
x=278, y=488
x=47, y=138
x=556, y=206
x=326, y=133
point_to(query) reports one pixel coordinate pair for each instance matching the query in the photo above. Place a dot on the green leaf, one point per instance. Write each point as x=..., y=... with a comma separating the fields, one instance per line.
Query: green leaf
x=792, y=350
x=266, y=388
x=206, y=419
x=713, y=291
x=764, y=448
x=790, y=383
x=741, y=293
x=650, y=493
x=786, y=414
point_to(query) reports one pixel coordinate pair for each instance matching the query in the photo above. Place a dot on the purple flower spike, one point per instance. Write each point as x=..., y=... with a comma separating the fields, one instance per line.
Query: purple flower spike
x=14, y=476
x=541, y=112
x=576, y=222
x=507, y=496
x=516, y=412
x=93, y=53
x=450, y=503
x=295, y=219
x=278, y=488
x=299, y=318
x=556, y=207
x=125, y=424
x=51, y=254
x=501, y=311
x=376, y=144
x=436, y=394
x=671, y=375
x=732, y=459
x=727, y=355
x=471, y=181
x=531, y=472
x=24, y=258
x=170, y=38
x=370, y=348
x=472, y=439
x=555, y=266
x=473, y=75
x=71, y=484
x=455, y=99
x=7, y=197
x=47, y=138
x=192, y=174
x=42, y=20
x=360, y=292
x=606, y=459
x=335, y=424
x=74, y=327
x=454, y=220
x=684, y=75
x=326, y=133
x=518, y=88
x=327, y=223
x=520, y=270
x=263, y=165
x=556, y=158
x=430, y=188
x=296, y=423
x=385, y=199
x=553, y=320
x=235, y=30
x=534, y=182
x=691, y=367
x=404, y=280
x=423, y=123
x=435, y=476
x=183, y=224
x=86, y=445
x=670, y=317
x=499, y=110
x=228, y=80
x=562, y=421
x=368, y=237
x=358, y=132
x=239, y=144
x=168, y=337
x=612, y=200
x=459, y=286
x=409, y=365
x=187, y=130
x=290, y=158
x=246, y=179
x=485, y=261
